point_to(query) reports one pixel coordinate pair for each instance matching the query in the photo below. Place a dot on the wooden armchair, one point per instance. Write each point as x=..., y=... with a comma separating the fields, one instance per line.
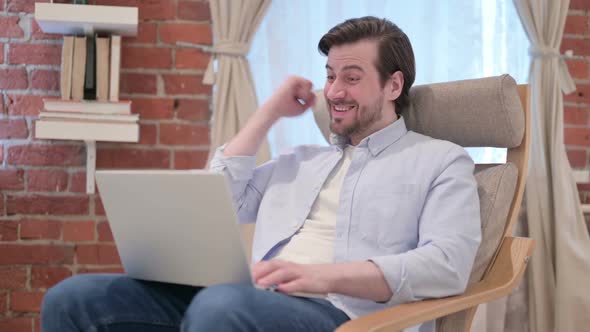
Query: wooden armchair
x=491, y=112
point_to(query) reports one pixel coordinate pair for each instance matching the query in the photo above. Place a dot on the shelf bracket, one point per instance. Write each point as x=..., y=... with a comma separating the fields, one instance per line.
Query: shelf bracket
x=90, y=165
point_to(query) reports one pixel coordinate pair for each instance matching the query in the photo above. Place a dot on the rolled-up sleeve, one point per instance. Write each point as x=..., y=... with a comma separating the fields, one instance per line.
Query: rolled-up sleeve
x=247, y=182
x=449, y=236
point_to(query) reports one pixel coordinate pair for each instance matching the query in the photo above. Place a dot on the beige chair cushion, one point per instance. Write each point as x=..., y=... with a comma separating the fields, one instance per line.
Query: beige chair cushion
x=496, y=187
x=484, y=112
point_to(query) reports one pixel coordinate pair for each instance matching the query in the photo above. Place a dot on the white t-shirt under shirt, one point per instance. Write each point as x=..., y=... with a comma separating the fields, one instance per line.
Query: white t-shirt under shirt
x=314, y=242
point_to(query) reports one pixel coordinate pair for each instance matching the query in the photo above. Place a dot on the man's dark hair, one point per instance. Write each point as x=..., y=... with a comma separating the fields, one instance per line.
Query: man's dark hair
x=394, y=49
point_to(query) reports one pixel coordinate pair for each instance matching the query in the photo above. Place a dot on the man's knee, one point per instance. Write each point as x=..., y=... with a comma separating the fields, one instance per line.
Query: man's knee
x=65, y=302
x=223, y=298
x=66, y=294
x=74, y=296
x=227, y=304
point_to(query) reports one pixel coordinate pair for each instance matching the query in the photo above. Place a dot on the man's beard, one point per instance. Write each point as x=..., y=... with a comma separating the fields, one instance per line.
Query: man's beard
x=368, y=115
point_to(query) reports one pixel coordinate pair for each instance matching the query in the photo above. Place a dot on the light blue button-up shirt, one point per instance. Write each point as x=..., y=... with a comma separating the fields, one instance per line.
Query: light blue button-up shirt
x=408, y=203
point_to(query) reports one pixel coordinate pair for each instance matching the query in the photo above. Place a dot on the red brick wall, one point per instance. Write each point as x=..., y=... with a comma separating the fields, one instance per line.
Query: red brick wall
x=49, y=227
x=577, y=105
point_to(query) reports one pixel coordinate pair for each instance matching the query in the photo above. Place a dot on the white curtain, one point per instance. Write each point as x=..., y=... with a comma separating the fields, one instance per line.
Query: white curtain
x=560, y=267
x=234, y=98
x=486, y=39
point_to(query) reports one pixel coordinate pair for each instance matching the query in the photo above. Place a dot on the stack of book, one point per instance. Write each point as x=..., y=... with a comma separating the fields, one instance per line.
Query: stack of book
x=89, y=107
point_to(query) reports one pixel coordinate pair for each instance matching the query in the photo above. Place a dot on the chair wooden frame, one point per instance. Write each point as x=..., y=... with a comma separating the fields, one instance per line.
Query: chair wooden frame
x=502, y=276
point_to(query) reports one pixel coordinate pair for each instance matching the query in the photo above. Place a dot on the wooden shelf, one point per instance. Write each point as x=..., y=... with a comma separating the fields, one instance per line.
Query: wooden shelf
x=87, y=131
x=69, y=19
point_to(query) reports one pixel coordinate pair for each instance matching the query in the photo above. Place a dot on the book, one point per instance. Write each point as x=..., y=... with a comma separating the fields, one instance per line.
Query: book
x=86, y=130
x=79, y=68
x=67, y=60
x=70, y=19
x=90, y=77
x=115, y=68
x=89, y=116
x=102, y=68
x=122, y=107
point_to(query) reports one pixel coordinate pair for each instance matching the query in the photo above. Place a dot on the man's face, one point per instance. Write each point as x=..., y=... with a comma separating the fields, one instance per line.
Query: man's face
x=358, y=104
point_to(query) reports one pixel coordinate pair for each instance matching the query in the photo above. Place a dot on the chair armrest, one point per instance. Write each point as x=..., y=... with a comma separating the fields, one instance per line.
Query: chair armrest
x=502, y=278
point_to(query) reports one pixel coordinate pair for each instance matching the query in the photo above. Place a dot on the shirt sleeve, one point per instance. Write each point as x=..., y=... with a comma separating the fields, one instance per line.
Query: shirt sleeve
x=449, y=236
x=246, y=181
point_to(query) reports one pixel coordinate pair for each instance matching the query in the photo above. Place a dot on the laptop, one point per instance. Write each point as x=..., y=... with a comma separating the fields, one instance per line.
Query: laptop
x=174, y=226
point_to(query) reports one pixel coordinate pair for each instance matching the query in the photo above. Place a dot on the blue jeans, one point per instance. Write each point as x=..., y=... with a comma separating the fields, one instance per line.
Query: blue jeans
x=113, y=302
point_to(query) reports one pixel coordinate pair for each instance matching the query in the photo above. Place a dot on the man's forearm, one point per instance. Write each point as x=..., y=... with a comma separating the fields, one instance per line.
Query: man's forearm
x=248, y=140
x=359, y=279
x=292, y=98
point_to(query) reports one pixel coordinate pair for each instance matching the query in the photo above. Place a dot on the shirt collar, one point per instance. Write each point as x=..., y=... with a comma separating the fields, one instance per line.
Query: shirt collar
x=377, y=141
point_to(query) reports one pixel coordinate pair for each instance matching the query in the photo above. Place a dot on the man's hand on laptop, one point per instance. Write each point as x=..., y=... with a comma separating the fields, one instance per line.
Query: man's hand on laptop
x=288, y=277
x=357, y=279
